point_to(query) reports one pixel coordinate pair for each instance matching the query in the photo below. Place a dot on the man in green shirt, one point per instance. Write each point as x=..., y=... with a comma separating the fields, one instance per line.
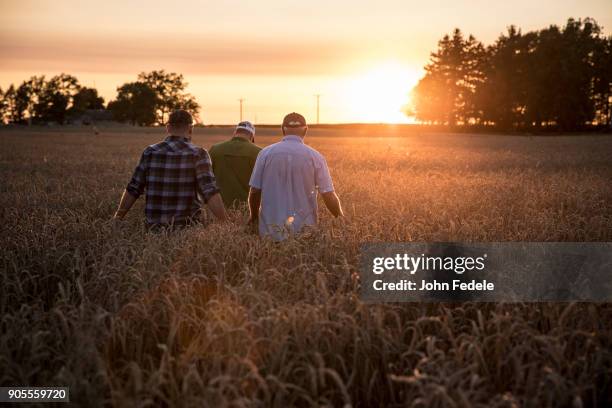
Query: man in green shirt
x=233, y=162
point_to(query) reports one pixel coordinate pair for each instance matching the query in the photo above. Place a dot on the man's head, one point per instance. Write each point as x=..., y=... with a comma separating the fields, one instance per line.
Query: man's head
x=180, y=123
x=246, y=130
x=294, y=124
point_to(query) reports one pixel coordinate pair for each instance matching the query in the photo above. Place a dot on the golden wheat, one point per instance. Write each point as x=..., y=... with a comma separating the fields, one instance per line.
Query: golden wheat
x=211, y=316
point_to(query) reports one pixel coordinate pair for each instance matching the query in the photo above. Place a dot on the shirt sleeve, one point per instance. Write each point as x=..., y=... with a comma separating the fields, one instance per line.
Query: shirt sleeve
x=205, y=177
x=257, y=175
x=322, y=177
x=137, y=184
x=211, y=152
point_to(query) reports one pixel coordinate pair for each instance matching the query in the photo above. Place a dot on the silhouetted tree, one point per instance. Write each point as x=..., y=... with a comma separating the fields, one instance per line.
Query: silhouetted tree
x=136, y=103
x=502, y=97
x=26, y=98
x=55, y=97
x=447, y=93
x=563, y=74
x=9, y=108
x=553, y=77
x=602, y=81
x=2, y=106
x=430, y=100
x=84, y=99
x=169, y=88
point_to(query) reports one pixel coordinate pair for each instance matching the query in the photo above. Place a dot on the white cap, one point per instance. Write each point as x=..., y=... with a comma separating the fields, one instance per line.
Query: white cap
x=248, y=126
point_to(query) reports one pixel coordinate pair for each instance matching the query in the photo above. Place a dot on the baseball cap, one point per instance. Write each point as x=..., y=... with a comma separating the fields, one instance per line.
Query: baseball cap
x=294, y=120
x=180, y=117
x=248, y=126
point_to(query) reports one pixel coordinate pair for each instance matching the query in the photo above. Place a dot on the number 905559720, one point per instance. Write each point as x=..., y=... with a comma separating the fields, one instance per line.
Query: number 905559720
x=33, y=394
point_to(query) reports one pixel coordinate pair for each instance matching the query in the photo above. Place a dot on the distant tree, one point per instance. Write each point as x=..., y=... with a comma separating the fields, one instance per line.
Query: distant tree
x=602, y=81
x=9, y=109
x=558, y=77
x=3, y=105
x=169, y=88
x=473, y=69
x=502, y=97
x=84, y=99
x=55, y=97
x=136, y=103
x=430, y=100
x=447, y=93
x=562, y=75
x=26, y=98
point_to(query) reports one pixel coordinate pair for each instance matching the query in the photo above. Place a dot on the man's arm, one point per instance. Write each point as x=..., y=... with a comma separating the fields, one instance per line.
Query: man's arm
x=208, y=187
x=134, y=188
x=256, y=182
x=332, y=202
x=254, y=203
x=127, y=201
x=215, y=203
x=211, y=153
x=326, y=187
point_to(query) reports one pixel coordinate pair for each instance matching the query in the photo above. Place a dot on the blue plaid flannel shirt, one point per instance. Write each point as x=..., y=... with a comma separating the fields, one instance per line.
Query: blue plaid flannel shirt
x=176, y=176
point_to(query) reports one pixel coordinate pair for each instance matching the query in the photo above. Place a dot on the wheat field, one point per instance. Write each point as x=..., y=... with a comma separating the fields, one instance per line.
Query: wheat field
x=213, y=316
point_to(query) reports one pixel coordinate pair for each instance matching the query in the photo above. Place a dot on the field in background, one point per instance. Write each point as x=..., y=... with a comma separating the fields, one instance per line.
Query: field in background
x=212, y=316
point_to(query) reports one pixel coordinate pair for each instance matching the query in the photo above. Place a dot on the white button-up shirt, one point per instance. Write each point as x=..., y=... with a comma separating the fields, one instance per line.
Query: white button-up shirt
x=289, y=173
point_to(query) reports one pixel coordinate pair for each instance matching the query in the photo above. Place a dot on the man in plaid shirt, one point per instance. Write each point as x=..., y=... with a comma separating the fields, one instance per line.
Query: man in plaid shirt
x=175, y=176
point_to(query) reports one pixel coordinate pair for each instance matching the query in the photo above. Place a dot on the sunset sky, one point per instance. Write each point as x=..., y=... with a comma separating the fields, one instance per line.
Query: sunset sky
x=363, y=57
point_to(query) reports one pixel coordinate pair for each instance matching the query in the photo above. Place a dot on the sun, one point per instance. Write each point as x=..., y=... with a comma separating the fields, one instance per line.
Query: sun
x=379, y=94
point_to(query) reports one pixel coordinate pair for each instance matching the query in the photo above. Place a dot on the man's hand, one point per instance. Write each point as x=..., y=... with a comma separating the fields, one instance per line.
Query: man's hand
x=254, y=203
x=119, y=214
x=215, y=203
x=252, y=226
x=127, y=201
x=332, y=202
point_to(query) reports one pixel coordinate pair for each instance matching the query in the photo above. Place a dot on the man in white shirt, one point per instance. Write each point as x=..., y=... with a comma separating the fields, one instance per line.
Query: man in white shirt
x=285, y=181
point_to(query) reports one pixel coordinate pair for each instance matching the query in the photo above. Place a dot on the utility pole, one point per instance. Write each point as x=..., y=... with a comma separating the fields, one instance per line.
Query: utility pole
x=318, y=98
x=241, y=100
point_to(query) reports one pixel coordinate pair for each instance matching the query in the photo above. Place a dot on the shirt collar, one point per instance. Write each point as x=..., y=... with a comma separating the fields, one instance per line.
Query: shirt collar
x=293, y=138
x=172, y=138
x=238, y=139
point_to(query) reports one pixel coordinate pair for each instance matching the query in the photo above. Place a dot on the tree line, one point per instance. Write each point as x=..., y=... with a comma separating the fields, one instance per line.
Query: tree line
x=556, y=77
x=61, y=98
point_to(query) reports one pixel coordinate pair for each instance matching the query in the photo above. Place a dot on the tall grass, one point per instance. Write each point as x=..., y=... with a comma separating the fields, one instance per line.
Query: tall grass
x=212, y=316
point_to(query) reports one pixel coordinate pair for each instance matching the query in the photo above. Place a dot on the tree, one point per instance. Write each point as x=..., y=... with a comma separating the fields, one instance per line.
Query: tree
x=55, y=97
x=559, y=77
x=474, y=62
x=26, y=98
x=169, y=88
x=136, y=103
x=447, y=93
x=430, y=100
x=602, y=81
x=9, y=108
x=84, y=99
x=502, y=96
x=566, y=82
x=2, y=106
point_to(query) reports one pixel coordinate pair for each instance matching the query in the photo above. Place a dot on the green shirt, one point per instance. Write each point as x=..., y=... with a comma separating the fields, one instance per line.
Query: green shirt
x=233, y=162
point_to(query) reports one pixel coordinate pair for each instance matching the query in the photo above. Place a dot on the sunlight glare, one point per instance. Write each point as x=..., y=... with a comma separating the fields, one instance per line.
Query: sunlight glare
x=380, y=94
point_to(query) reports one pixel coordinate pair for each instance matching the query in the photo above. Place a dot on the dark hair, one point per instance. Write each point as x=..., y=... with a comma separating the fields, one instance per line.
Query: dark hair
x=180, y=117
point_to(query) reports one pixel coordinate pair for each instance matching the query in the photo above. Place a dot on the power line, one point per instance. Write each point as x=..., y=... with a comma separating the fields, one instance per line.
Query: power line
x=318, y=96
x=241, y=100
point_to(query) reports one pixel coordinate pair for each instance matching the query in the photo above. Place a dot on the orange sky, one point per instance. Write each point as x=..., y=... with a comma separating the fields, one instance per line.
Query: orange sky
x=362, y=56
